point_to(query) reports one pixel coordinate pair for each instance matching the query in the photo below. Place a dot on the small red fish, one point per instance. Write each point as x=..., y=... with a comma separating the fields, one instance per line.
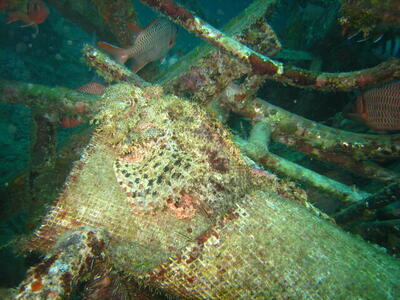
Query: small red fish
x=150, y=44
x=69, y=122
x=36, y=12
x=379, y=108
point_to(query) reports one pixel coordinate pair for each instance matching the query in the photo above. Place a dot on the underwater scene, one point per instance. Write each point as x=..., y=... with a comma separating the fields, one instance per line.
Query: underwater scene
x=198, y=149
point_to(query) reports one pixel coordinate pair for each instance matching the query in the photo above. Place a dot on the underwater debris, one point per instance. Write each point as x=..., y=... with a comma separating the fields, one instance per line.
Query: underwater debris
x=212, y=74
x=375, y=218
x=49, y=101
x=362, y=168
x=33, y=188
x=183, y=241
x=76, y=257
x=370, y=205
x=256, y=147
x=369, y=16
x=263, y=65
x=288, y=129
x=118, y=15
x=240, y=218
x=43, y=149
x=291, y=129
x=258, y=10
x=261, y=37
x=109, y=69
x=51, y=107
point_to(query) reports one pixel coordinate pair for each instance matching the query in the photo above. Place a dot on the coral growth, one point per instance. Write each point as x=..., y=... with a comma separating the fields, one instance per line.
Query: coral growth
x=370, y=16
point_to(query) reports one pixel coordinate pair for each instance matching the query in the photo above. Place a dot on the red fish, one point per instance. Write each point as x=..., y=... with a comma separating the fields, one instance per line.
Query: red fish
x=379, y=108
x=150, y=44
x=69, y=122
x=36, y=12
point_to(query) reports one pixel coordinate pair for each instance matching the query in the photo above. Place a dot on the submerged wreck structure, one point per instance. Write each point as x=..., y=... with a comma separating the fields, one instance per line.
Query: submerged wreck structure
x=165, y=200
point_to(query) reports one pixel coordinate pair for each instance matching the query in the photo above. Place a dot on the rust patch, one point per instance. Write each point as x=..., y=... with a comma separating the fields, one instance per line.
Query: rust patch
x=76, y=223
x=190, y=279
x=62, y=214
x=37, y=285
x=364, y=80
x=159, y=274
x=230, y=216
x=304, y=79
x=79, y=165
x=202, y=238
x=194, y=254
x=261, y=67
x=215, y=234
x=221, y=271
x=171, y=9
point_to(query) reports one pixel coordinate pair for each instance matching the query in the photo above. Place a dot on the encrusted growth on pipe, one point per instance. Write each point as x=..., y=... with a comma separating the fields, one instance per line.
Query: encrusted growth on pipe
x=244, y=94
x=118, y=14
x=257, y=149
x=370, y=16
x=71, y=261
x=290, y=129
x=108, y=68
x=49, y=101
x=370, y=205
x=211, y=74
x=160, y=176
x=263, y=65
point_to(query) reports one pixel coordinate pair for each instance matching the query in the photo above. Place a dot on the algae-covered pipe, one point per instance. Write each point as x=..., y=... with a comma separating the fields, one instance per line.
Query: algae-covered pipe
x=273, y=69
x=293, y=130
x=108, y=68
x=185, y=214
x=256, y=147
x=48, y=100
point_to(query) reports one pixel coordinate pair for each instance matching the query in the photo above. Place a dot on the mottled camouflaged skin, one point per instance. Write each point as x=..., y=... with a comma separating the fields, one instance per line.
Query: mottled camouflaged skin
x=149, y=174
x=179, y=161
x=155, y=162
